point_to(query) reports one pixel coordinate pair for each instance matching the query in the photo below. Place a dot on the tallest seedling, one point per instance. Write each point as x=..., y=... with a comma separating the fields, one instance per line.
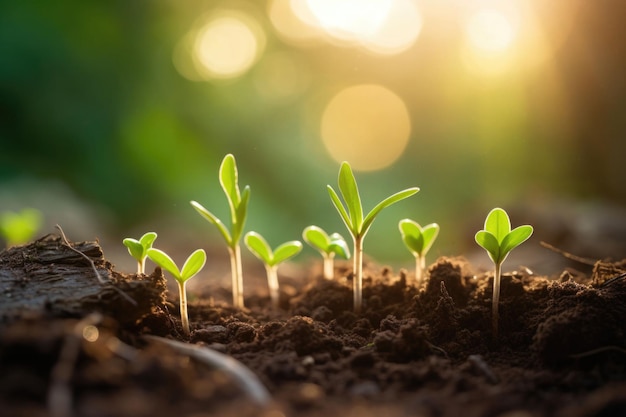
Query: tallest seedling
x=352, y=216
x=238, y=202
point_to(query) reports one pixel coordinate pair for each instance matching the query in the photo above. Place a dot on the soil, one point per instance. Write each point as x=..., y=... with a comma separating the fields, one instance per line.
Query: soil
x=429, y=351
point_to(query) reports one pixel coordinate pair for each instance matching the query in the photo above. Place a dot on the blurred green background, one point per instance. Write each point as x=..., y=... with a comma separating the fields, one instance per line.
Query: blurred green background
x=114, y=114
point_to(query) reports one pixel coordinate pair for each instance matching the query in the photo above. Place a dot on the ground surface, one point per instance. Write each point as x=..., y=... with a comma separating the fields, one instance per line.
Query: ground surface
x=418, y=352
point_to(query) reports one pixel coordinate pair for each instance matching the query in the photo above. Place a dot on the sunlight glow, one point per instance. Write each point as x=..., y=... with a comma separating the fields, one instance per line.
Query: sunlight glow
x=366, y=125
x=490, y=30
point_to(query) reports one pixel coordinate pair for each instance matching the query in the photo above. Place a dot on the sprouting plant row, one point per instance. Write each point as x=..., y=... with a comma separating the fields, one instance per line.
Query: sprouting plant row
x=497, y=238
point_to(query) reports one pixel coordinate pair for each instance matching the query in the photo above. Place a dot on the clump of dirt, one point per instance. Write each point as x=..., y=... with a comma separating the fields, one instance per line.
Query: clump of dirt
x=425, y=351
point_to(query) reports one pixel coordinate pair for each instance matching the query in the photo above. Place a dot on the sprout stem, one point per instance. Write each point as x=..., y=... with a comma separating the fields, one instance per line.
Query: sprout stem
x=420, y=269
x=272, y=283
x=141, y=266
x=496, y=299
x=183, y=306
x=237, y=275
x=357, y=279
x=329, y=265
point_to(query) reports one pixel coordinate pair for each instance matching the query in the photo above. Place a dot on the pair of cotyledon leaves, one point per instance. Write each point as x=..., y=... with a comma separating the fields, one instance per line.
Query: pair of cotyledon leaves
x=498, y=239
x=325, y=244
x=418, y=239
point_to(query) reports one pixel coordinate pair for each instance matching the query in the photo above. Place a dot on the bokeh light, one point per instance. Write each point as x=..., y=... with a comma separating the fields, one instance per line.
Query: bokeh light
x=490, y=30
x=366, y=125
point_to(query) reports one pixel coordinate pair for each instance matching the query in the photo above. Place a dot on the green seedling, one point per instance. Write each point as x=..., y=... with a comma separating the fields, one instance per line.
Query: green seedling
x=194, y=263
x=261, y=249
x=327, y=246
x=138, y=249
x=499, y=240
x=19, y=228
x=418, y=240
x=358, y=226
x=238, y=202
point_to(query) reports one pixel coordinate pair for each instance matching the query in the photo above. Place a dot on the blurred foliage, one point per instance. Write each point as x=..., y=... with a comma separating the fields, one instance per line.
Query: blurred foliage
x=89, y=96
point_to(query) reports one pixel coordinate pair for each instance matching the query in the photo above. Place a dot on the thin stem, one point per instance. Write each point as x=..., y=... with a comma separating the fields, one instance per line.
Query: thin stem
x=420, y=269
x=182, y=292
x=357, y=279
x=141, y=266
x=237, y=275
x=272, y=283
x=329, y=265
x=496, y=299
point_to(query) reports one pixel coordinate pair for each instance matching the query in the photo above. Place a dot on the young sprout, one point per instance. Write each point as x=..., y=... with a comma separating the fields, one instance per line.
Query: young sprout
x=238, y=202
x=194, y=263
x=138, y=249
x=358, y=226
x=327, y=246
x=259, y=247
x=418, y=240
x=499, y=240
x=19, y=228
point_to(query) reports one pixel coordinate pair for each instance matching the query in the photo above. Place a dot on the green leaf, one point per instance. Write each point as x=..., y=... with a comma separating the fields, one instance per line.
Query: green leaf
x=342, y=210
x=285, y=251
x=429, y=233
x=369, y=219
x=317, y=238
x=259, y=247
x=240, y=215
x=147, y=240
x=214, y=220
x=350, y=193
x=229, y=181
x=515, y=238
x=339, y=246
x=412, y=237
x=490, y=243
x=194, y=263
x=164, y=261
x=498, y=223
x=135, y=248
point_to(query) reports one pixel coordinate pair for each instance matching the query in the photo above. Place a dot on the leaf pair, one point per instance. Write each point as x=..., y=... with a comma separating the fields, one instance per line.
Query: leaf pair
x=138, y=249
x=194, y=263
x=317, y=238
x=352, y=213
x=262, y=250
x=498, y=239
x=416, y=238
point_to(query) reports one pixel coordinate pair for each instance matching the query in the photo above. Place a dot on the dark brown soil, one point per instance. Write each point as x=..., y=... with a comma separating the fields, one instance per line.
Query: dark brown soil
x=425, y=352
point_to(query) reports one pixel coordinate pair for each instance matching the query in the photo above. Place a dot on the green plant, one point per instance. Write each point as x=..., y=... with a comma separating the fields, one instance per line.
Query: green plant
x=238, y=202
x=194, y=263
x=358, y=226
x=18, y=228
x=261, y=249
x=327, y=246
x=418, y=240
x=499, y=240
x=138, y=249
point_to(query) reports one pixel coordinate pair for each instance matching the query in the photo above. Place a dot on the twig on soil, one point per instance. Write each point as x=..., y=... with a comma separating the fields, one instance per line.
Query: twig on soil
x=568, y=255
x=612, y=280
x=598, y=350
x=247, y=380
x=101, y=280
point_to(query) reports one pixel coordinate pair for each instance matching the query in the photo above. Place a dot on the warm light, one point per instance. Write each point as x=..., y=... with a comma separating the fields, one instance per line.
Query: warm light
x=227, y=46
x=366, y=125
x=490, y=30
x=349, y=19
x=280, y=76
x=286, y=17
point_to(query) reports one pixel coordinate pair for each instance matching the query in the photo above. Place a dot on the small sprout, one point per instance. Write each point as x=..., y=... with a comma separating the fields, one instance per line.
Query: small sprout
x=327, y=246
x=358, y=226
x=499, y=240
x=418, y=240
x=138, y=249
x=260, y=248
x=194, y=263
x=19, y=228
x=238, y=202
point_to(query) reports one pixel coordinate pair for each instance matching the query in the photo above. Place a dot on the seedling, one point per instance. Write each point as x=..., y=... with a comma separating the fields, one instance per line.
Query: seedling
x=194, y=263
x=358, y=226
x=327, y=246
x=238, y=202
x=138, y=249
x=418, y=240
x=499, y=240
x=261, y=249
x=18, y=228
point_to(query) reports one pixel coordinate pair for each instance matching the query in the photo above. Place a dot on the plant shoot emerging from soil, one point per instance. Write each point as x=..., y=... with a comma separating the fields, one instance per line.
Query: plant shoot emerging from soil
x=18, y=228
x=327, y=246
x=499, y=240
x=138, y=249
x=358, y=226
x=418, y=240
x=194, y=263
x=262, y=250
x=238, y=202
